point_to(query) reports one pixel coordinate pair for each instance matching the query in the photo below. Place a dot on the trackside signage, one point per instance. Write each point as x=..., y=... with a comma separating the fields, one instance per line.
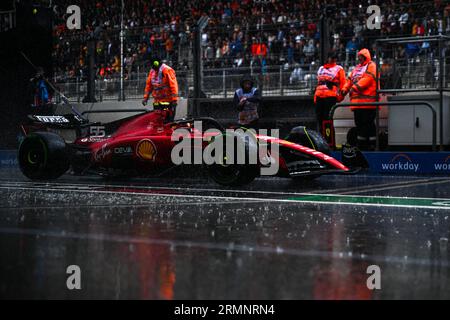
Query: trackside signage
x=408, y=162
x=443, y=166
x=8, y=159
x=401, y=163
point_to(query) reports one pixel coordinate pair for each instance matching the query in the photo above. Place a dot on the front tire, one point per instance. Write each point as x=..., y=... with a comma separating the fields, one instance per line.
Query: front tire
x=237, y=174
x=232, y=175
x=311, y=139
x=43, y=156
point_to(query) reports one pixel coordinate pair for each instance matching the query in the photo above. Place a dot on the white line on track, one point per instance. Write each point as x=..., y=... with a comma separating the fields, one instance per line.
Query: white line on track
x=271, y=200
x=407, y=184
x=223, y=247
x=139, y=205
x=81, y=186
x=343, y=191
x=374, y=189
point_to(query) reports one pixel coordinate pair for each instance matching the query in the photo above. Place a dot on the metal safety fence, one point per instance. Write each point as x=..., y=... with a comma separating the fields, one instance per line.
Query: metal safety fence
x=283, y=80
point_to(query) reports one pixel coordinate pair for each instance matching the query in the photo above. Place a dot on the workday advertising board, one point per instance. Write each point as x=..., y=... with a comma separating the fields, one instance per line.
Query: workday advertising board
x=409, y=162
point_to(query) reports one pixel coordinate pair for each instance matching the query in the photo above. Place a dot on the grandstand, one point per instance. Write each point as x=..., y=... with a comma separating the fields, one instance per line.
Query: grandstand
x=279, y=41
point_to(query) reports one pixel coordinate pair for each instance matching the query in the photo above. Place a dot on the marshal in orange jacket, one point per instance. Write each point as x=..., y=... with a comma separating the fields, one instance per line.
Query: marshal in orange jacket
x=163, y=85
x=363, y=83
x=333, y=74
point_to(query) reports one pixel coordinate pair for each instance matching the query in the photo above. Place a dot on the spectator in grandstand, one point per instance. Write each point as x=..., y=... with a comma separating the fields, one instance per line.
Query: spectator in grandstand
x=350, y=50
x=447, y=18
x=41, y=97
x=162, y=84
x=208, y=54
x=42, y=100
x=362, y=86
x=236, y=46
x=290, y=53
x=297, y=75
x=309, y=50
x=246, y=100
x=330, y=82
x=238, y=61
x=390, y=79
x=259, y=54
x=418, y=29
x=412, y=50
x=403, y=17
x=259, y=49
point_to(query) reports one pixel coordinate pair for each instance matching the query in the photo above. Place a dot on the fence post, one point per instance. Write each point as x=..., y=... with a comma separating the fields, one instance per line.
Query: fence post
x=441, y=94
x=409, y=74
x=138, y=79
x=77, y=84
x=101, y=91
x=224, y=83
x=281, y=80
x=186, y=84
x=377, y=131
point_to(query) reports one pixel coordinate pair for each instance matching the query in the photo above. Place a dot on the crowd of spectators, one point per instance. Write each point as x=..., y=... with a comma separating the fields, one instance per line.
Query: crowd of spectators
x=239, y=33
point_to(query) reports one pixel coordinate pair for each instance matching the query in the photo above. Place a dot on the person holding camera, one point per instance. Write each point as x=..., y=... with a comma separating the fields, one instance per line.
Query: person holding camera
x=247, y=99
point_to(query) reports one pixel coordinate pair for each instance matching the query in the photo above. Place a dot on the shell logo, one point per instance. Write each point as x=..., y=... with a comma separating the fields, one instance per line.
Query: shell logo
x=146, y=150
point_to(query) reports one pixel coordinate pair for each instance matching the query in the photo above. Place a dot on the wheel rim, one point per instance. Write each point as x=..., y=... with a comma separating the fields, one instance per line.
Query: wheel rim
x=33, y=157
x=34, y=154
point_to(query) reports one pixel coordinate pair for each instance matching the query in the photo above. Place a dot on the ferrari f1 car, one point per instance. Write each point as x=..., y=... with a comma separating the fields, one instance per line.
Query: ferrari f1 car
x=142, y=145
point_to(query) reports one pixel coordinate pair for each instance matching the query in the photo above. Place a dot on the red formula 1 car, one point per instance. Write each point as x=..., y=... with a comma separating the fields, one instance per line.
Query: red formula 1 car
x=142, y=145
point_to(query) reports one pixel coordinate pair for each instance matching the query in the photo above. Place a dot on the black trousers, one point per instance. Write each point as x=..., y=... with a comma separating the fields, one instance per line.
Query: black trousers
x=323, y=108
x=365, y=126
x=171, y=115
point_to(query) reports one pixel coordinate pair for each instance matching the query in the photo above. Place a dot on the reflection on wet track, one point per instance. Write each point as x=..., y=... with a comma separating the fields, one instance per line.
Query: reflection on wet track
x=191, y=239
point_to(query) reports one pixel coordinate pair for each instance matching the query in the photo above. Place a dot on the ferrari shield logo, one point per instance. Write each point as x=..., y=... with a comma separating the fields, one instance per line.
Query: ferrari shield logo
x=146, y=150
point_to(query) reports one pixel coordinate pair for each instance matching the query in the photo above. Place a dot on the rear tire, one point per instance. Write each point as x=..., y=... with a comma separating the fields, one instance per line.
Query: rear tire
x=43, y=156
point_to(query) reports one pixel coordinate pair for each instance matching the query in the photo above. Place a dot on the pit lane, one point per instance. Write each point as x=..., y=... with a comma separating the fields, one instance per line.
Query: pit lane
x=188, y=238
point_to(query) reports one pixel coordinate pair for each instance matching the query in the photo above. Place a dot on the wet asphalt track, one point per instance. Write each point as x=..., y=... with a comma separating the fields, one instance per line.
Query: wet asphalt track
x=191, y=239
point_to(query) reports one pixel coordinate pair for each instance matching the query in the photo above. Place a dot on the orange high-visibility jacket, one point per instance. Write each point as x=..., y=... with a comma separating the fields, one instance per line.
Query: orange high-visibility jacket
x=162, y=84
x=363, y=81
x=329, y=73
